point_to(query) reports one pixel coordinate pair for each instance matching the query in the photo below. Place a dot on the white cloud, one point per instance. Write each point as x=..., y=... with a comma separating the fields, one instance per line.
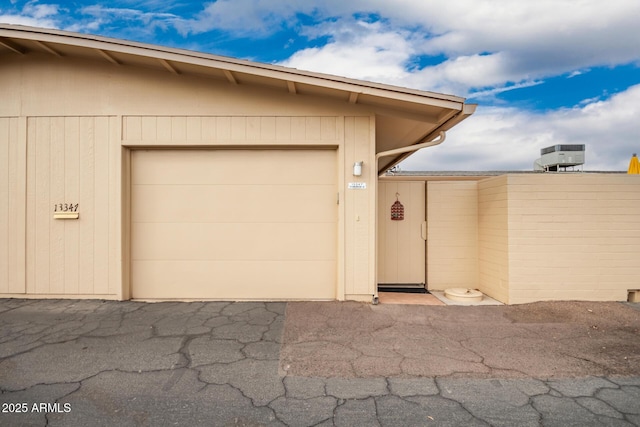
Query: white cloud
x=490, y=74
x=93, y=17
x=28, y=21
x=488, y=45
x=359, y=49
x=39, y=11
x=492, y=92
x=34, y=15
x=498, y=46
x=141, y=21
x=257, y=17
x=511, y=139
x=493, y=43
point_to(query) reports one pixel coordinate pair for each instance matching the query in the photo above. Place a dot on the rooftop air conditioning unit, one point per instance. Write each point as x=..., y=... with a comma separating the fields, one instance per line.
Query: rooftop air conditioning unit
x=560, y=156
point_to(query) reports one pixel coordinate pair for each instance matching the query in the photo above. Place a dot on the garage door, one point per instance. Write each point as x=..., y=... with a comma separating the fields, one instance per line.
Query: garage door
x=233, y=224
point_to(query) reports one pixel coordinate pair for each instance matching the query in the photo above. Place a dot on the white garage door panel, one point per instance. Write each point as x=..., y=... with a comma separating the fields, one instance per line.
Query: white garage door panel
x=180, y=241
x=234, y=224
x=234, y=167
x=235, y=279
x=234, y=203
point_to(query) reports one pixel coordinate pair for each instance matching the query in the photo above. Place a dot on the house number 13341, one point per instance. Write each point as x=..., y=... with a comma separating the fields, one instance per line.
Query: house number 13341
x=65, y=207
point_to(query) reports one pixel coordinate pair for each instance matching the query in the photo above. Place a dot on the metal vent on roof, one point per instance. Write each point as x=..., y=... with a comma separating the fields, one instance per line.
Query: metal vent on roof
x=560, y=157
x=562, y=147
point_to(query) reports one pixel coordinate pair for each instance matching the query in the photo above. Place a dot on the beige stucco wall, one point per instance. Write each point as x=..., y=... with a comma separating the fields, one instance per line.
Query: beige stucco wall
x=493, y=238
x=573, y=236
x=452, y=242
x=81, y=119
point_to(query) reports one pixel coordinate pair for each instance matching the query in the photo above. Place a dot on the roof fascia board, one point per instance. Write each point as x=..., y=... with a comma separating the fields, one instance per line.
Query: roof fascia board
x=104, y=44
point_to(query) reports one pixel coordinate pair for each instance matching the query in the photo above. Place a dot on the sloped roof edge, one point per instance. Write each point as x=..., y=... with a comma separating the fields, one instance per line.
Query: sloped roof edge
x=45, y=35
x=394, y=106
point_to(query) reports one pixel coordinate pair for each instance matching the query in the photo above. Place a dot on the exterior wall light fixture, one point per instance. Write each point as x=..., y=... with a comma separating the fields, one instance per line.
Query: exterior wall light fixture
x=357, y=168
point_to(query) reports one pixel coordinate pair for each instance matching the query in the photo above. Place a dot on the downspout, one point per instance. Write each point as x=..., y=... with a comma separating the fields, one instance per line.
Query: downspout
x=441, y=137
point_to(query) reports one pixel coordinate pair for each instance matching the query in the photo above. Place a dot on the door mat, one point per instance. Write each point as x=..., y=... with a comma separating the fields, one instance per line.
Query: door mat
x=406, y=290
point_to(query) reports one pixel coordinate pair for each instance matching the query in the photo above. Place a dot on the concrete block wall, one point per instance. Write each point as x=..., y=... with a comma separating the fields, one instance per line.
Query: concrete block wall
x=493, y=238
x=573, y=236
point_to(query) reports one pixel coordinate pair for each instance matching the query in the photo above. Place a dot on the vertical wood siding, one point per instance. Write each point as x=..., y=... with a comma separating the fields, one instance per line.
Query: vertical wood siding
x=68, y=162
x=221, y=130
x=6, y=178
x=359, y=210
x=12, y=193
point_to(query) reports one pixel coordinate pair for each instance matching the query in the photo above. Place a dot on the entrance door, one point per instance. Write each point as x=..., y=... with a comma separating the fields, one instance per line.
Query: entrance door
x=401, y=233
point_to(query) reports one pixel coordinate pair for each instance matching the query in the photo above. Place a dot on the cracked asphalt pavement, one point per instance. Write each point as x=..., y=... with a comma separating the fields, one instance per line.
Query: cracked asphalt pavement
x=77, y=363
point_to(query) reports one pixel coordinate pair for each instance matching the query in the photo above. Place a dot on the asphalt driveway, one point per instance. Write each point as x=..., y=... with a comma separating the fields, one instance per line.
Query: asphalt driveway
x=218, y=363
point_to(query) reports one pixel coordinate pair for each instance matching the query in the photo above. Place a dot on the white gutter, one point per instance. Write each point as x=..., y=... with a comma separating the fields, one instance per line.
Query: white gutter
x=442, y=136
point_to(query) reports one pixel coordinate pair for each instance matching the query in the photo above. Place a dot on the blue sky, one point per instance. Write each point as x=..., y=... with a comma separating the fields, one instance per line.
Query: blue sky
x=543, y=72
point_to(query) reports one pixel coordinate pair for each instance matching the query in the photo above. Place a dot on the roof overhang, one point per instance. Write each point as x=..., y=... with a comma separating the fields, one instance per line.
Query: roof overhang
x=404, y=116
